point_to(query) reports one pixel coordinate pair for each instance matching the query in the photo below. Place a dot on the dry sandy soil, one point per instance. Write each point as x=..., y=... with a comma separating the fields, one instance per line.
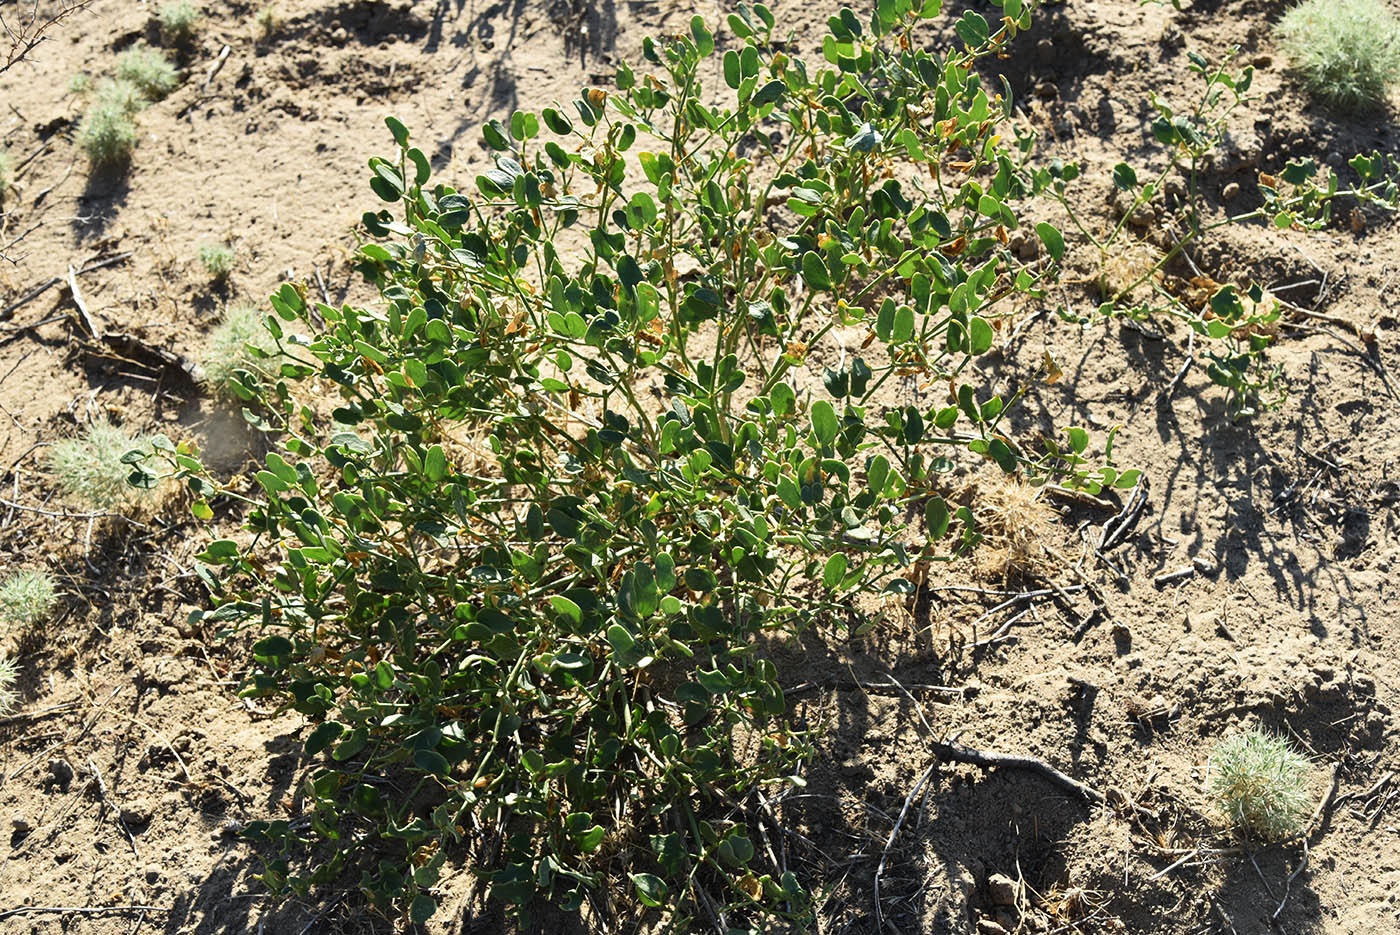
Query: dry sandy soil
x=133, y=761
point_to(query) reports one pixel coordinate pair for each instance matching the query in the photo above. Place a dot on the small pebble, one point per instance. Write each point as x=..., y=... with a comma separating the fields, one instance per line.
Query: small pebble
x=1002, y=889
x=1230, y=192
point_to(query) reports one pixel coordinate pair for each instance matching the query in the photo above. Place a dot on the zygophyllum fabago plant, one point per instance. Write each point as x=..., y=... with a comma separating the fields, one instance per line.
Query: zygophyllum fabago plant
x=549, y=663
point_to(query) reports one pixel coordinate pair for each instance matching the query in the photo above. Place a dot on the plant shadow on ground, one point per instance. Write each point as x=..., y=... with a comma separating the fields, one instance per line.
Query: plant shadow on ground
x=589, y=30
x=104, y=195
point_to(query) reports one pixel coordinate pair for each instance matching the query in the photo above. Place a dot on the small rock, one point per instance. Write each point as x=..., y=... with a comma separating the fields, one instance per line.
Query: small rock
x=152, y=873
x=340, y=36
x=1230, y=192
x=1002, y=889
x=1025, y=248
x=21, y=825
x=988, y=927
x=1238, y=151
x=61, y=772
x=137, y=812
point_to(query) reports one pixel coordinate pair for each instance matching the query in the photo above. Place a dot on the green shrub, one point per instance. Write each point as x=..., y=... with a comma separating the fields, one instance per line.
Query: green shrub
x=528, y=567
x=108, y=134
x=217, y=260
x=178, y=19
x=80, y=83
x=9, y=674
x=26, y=598
x=148, y=71
x=6, y=174
x=121, y=95
x=1347, y=52
x=89, y=469
x=240, y=342
x=1261, y=784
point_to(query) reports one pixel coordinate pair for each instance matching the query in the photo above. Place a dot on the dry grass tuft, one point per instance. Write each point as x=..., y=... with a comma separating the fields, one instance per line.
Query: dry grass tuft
x=1016, y=524
x=1123, y=265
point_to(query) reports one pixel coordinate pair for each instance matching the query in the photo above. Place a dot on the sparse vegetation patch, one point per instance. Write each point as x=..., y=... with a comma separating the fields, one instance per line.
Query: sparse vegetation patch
x=178, y=20
x=9, y=674
x=149, y=72
x=89, y=468
x=240, y=342
x=1260, y=783
x=26, y=598
x=1346, y=52
x=217, y=260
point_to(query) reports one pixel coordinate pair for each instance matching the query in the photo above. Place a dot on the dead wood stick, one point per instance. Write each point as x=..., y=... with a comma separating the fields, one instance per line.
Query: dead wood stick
x=28, y=297
x=1288, y=883
x=889, y=843
x=216, y=67
x=121, y=822
x=80, y=910
x=1126, y=519
x=1185, y=366
x=325, y=293
x=92, y=326
x=874, y=688
x=40, y=196
x=1024, y=596
x=156, y=358
x=1078, y=496
x=107, y=261
x=989, y=760
x=1167, y=577
x=49, y=283
x=57, y=514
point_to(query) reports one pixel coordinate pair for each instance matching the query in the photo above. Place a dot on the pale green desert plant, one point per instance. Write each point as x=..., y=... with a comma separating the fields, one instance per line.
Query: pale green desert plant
x=108, y=132
x=178, y=19
x=268, y=21
x=217, y=259
x=1260, y=783
x=228, y=351
x=90, y=469
x=26, y=598
x=6, y=174
x=149, y=71
x=9, y=674
x=1347, y=52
